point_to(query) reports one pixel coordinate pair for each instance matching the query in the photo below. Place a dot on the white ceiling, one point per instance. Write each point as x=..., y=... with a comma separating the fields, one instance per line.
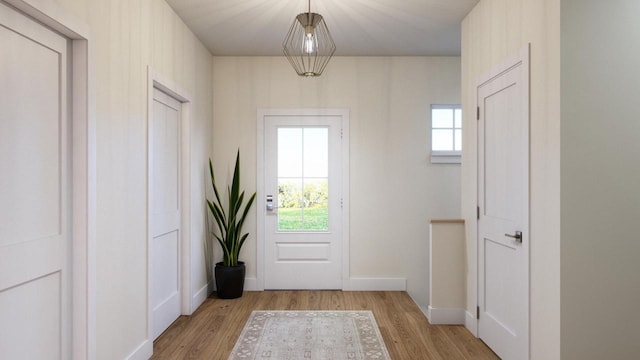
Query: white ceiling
x=358, y=27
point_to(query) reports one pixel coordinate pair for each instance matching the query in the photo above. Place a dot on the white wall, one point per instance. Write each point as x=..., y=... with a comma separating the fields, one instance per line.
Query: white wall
x=394, y=188
x=493, y=31
x=447, y=272
x=600, y=178
x=448, y=265
x=127, y=36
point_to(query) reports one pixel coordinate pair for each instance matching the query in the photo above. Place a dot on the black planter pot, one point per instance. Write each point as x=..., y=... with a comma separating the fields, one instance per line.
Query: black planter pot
x=229, y=280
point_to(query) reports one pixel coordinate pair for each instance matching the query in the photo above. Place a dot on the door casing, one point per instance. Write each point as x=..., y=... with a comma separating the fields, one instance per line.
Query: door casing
x=520, y=59
x=157, y=81
x=260, y=197
x=83, y=176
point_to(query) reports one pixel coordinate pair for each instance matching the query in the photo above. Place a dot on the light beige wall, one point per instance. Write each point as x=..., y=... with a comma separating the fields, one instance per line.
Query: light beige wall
x=448, y=265
x=127, y=36
x=493, y=31
x=394, y=188
x=600, y=178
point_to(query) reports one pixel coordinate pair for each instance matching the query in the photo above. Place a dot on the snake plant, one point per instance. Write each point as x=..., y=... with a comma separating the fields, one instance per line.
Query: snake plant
x=230, y=222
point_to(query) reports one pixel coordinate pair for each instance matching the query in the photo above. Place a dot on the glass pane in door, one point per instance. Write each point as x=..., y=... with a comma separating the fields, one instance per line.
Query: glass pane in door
x=303, y=179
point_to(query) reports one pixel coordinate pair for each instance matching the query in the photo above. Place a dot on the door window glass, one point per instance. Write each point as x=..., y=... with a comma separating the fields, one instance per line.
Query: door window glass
x=303, y=179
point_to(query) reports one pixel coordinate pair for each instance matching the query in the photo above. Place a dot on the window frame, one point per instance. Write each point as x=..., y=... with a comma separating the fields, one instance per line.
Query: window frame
x=445, y=156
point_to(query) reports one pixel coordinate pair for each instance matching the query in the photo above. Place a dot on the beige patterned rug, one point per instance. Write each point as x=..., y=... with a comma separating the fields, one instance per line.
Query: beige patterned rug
x=315, y=335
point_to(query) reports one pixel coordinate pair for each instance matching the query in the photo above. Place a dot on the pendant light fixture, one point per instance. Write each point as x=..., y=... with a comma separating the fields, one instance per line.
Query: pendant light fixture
x=308, y=45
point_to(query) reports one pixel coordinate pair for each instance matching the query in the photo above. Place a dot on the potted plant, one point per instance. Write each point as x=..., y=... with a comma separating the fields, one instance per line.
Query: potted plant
x=229, y=273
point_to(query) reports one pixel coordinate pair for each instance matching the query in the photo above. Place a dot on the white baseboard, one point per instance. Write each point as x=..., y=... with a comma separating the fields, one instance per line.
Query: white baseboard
x=421, y=307
x=353, y=284
x=142, y=352
x=251, y=284
x=446, y=316
x=200, y=296
x=424, y=309
x=471, y=323
x=375, y=284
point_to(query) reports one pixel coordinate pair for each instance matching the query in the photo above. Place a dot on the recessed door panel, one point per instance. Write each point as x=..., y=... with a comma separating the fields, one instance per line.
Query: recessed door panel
x=502, y=172
x=36, y=306
x=31, y=129
x=499, y=304
x=304, y=252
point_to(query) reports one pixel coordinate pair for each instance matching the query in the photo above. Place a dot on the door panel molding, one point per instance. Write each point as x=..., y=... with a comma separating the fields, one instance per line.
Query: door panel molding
x=261, y=202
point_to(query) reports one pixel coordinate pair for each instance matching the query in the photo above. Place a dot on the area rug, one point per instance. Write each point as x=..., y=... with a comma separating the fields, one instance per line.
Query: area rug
x=315, y=335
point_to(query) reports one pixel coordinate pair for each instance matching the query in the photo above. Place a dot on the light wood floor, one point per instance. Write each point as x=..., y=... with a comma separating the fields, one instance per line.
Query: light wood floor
x=212, y=331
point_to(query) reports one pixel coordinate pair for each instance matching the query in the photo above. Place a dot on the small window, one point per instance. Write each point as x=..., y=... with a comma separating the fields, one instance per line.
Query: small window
x=446, y=134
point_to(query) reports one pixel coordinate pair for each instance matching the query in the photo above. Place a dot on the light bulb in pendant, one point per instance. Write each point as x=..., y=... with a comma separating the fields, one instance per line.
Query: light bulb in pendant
x=309, y=43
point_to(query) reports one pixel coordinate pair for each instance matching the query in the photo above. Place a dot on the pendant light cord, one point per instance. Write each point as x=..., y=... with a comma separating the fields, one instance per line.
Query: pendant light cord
x=309, y=6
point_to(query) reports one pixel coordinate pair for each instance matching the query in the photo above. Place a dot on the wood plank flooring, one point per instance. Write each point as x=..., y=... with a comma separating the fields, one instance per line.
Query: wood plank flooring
x=212, y=331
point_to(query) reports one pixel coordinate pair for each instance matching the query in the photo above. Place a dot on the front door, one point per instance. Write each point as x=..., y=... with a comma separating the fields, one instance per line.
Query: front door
x=503, y=199
x=35, y=191
x=164, y=211
x=303, y=202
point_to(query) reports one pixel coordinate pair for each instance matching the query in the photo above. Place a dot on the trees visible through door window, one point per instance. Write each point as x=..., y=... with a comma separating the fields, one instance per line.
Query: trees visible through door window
x=446, y=133
x=303, y=179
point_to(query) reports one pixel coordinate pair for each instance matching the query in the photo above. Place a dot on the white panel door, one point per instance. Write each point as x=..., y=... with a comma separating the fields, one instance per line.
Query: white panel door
x=35, y=188
x=503, y=194
x=164, y=211
x=303, y=185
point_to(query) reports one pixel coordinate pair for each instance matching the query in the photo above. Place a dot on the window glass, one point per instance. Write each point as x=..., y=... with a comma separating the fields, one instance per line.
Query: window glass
x=442, y=118
x=289, y=152
x=458, y=117
x=303, y=179
x=316, y=152
x=458, y=140
x=442, y=140
x=446, y=133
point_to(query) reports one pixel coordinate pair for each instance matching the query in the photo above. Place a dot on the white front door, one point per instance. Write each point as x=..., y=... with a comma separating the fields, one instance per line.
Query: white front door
x=503, y=199
x=35, y=191
x=164, y=211
x=303, y=195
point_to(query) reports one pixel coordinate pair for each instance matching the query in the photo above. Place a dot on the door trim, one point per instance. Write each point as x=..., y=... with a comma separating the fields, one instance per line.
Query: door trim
x=260, y=201
x=157, y=81
x=522, y=58
x=83, y=198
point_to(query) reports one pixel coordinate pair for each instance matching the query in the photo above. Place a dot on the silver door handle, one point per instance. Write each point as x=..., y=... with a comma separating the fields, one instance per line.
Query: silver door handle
x=517, y=236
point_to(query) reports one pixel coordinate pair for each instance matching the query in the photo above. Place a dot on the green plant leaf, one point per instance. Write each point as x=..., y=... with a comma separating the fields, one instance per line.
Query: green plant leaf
x=244, y=237
x=230, y=223
x=235, y=184
x=215, y=188
x=217, y=215
x=246, y=211
x=224, y=247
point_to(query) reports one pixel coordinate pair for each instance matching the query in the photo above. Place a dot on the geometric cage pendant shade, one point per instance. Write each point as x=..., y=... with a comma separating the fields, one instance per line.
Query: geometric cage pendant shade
x=308, y=45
